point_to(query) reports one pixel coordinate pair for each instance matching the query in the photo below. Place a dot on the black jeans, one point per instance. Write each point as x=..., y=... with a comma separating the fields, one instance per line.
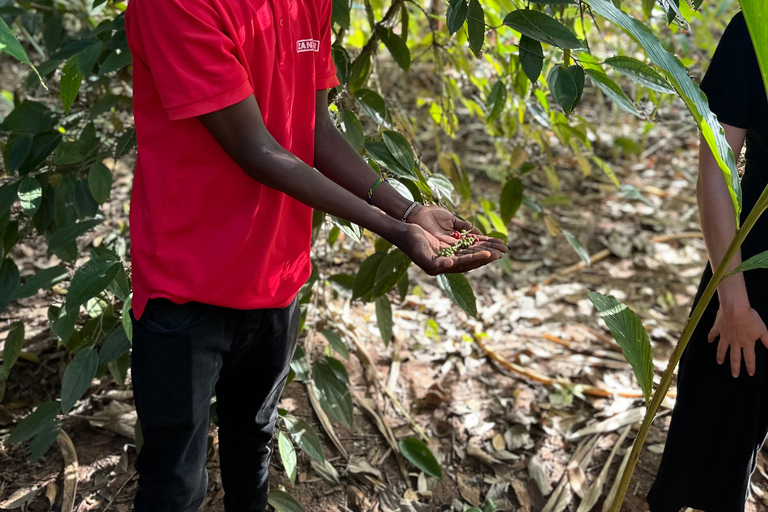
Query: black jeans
x=182, y=354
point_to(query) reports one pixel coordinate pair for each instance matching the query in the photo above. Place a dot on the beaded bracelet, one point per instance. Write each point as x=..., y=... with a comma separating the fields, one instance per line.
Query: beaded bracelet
x=374, y=187
x=409, y=210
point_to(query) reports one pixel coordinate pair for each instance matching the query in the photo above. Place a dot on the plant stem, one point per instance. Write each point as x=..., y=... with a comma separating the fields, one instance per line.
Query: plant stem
x=693, y=321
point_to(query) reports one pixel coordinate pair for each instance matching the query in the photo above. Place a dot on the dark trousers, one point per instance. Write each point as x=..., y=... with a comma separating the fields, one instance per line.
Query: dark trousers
x=182, y=355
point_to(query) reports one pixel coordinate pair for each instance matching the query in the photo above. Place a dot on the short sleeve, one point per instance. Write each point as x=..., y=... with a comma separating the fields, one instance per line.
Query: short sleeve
x=191, y=58
x=729, y=81
x=325, y=69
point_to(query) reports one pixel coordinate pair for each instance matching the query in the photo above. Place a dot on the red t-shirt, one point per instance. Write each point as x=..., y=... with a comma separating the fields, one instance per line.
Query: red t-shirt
x=201, y=228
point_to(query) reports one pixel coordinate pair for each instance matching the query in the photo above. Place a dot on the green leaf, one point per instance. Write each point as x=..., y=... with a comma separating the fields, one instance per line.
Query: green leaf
x=337, y=343
x=100, y=182
x=543, y=28
x=338, y=369
x=396, y=46
x=511, y=199
x=287, y=455
x=305, y=437
x=578, y=247
x=40, y=419
x=68, y=234
x=629, y=333
x=365, y=276
x=90, y=280
x=352, y=230
x=43, y=145
x=496, y=101
x=456, y=15
x=384, y=318
x=116, y=344
x=401, y=151
x=10, y=45
x=641, y=73
x=281, y=501
x=392, y=268
x=78, y=376
x=64, y=202
x=9, y=282
x=564, y=88
x=531, y=57
x=42, y=280
x=8, y=196
x=71, y=78
x=332, y=393
x=458, y=289
x=476, y=26
x=686, y=88
x=419, y=455
x=13, y=345
x=85, y=205
x=44, y=440
x=29, y=117
x=612, y=90
x=115, y=61
x=125, y=143
x=755, y=262
x=756, y=16
x=381, y=154
x=30, y=194
x=360, y=71
x=352, y=129
x=373, y=105
x=340, y=13
x=19, y=152
x=299, y=365
x=126, y=319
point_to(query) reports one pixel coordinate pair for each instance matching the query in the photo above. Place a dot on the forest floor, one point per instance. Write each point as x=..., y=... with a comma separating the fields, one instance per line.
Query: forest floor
x=498, y=434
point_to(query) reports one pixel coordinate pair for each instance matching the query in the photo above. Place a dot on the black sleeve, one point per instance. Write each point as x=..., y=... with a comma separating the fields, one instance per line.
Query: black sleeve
x=729, y=82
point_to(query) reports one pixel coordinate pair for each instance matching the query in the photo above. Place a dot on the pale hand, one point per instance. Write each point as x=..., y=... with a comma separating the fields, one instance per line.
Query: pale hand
x=738, y=329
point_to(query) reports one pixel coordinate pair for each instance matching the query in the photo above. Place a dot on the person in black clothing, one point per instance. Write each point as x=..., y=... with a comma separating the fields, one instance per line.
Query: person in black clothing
x=720, y=419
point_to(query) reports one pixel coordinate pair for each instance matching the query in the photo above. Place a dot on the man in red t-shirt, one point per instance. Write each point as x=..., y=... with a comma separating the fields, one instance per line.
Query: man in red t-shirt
x=230, y=102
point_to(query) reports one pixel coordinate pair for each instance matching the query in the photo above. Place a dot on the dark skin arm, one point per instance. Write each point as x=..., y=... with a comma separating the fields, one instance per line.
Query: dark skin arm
x=339, y=161
x=242, y=134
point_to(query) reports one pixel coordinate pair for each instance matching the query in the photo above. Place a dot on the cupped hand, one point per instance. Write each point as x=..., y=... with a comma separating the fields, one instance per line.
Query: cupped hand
x=440, y=223
x=422, y=248
x=738, y=330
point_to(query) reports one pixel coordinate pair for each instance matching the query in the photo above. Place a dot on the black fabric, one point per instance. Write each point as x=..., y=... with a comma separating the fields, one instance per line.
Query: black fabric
x=182, y=355
x=720, y=423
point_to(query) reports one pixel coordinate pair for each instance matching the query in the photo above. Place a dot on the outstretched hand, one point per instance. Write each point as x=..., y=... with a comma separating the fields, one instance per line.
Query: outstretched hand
x=441, y=224
x=423, y=248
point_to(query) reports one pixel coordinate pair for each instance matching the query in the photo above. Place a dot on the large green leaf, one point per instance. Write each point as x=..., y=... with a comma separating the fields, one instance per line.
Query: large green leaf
x=305, y=437
x=690, y=93
x=531, y=57
x=641, y=73
x=496, y=101
x=363, y=287
x=78, y=376
x=340, y=13
x=30, y=195
x=456, y=15
x=44, y=440
x=392, y=268
x=458, y=289
x=352, y=129
x=13, y=345
x=755, y=262
x=476, y=26
x=90, y=280
x=629, y=333
x=100, y=182
x=42, y=280
x=287, y=455
x=10, y=45
x=71, y=78
x=40, y=419
x=68, y=234
x=511, y=199
x=19, y=152
x=564, y=88
x=543, y=28
x=283, y=502
x=401, y=151
x=116, y=344
x=397, y=47
x=577, y=246
x=612, y=90
x=384, y=318
x=337, y=343
x=419, y=455
x=756, y=15
x=373, y=105
x=9, y=282
x=332, y=393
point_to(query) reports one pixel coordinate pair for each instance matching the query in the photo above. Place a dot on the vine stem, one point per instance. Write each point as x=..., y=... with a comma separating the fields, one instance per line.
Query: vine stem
x=690, y=326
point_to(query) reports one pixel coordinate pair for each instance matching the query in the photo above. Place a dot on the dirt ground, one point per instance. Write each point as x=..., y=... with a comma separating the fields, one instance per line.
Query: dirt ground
x=499, y=435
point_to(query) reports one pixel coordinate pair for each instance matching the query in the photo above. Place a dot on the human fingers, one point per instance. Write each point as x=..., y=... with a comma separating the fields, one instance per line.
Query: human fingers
x=735, y=360
x=749, y=358
x=722, y=348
